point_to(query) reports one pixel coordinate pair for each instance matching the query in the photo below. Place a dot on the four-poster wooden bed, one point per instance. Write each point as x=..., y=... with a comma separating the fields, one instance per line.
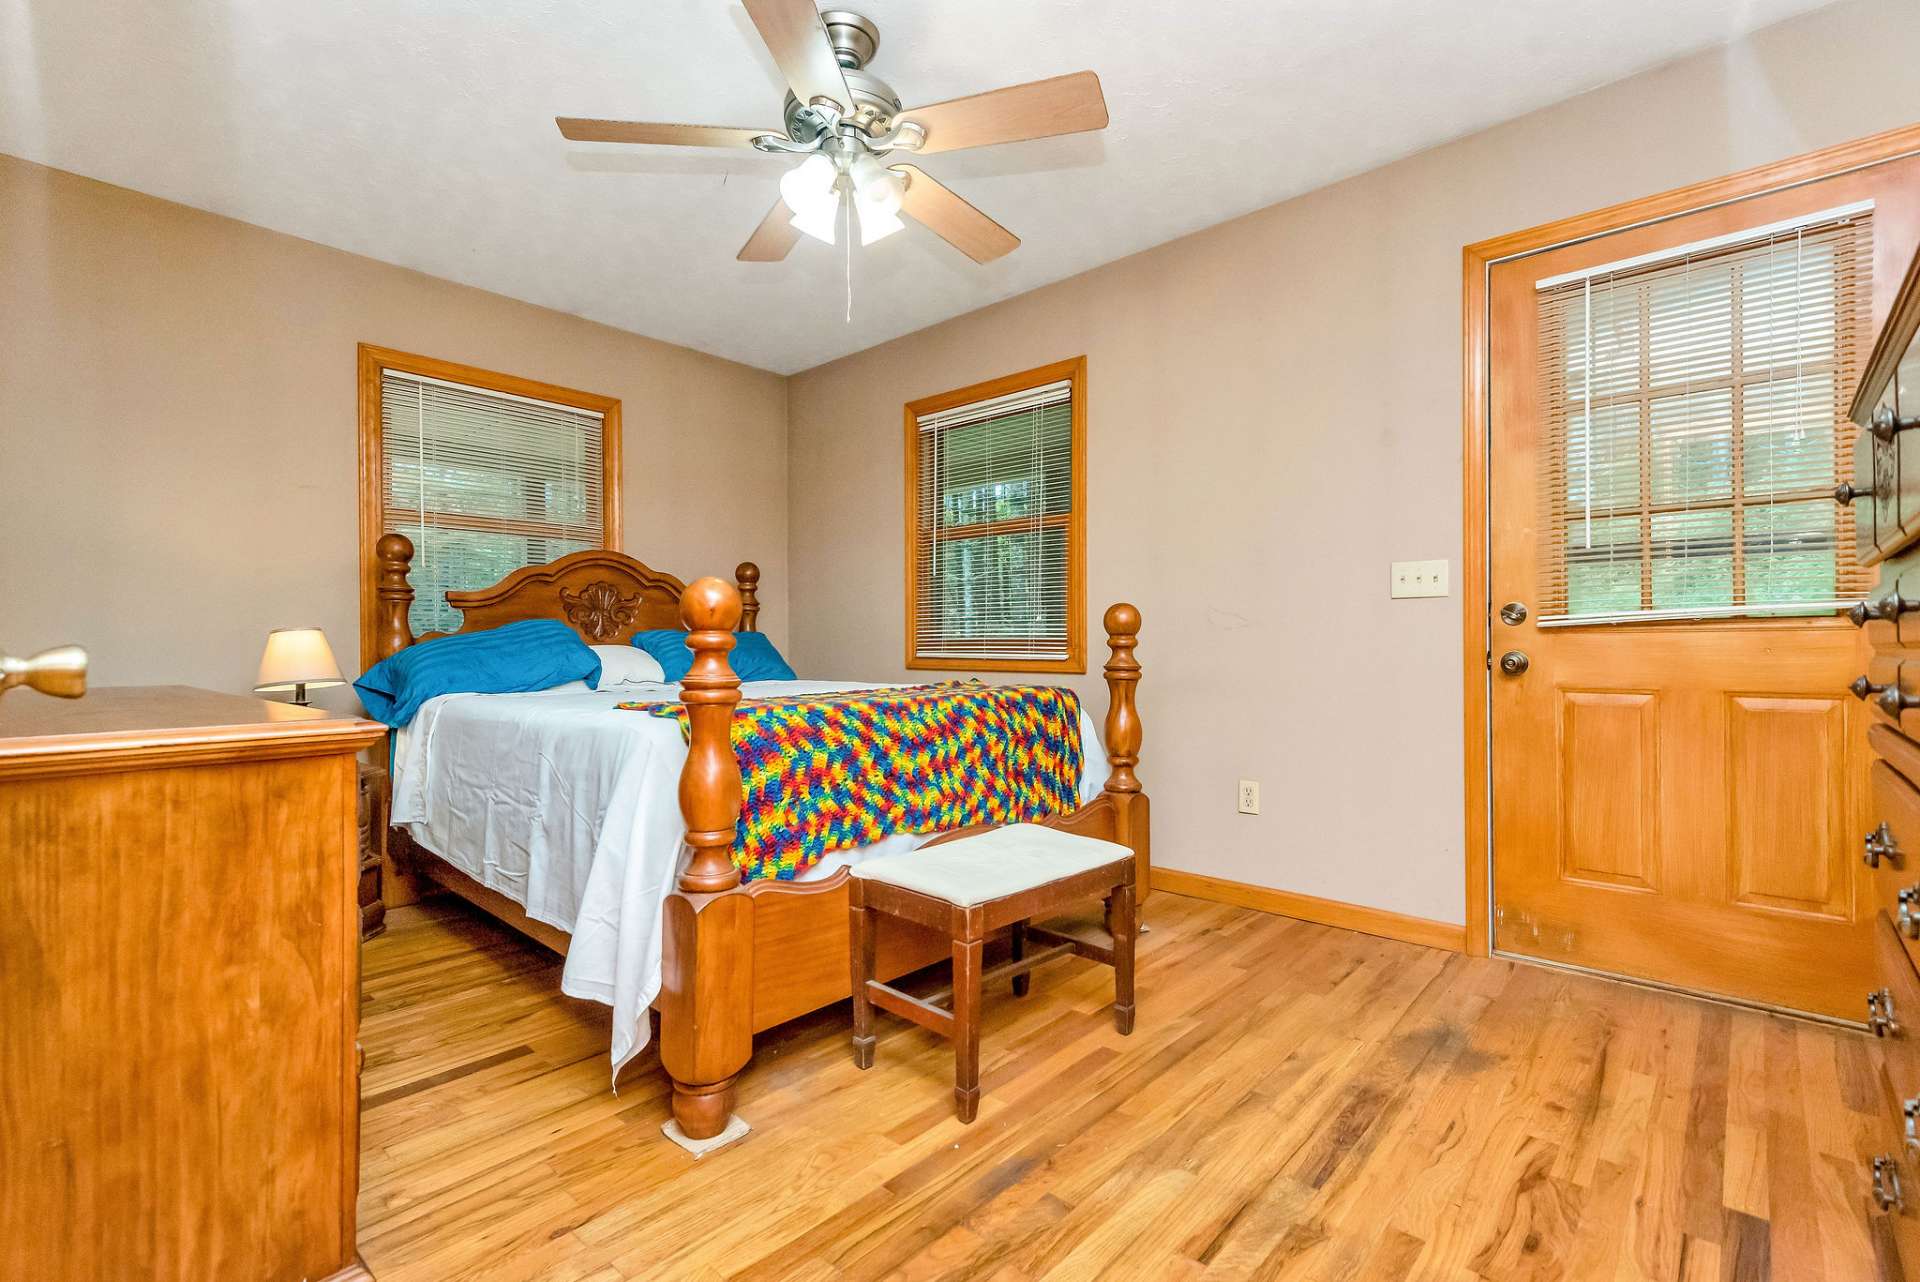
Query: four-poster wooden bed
x=738, y=958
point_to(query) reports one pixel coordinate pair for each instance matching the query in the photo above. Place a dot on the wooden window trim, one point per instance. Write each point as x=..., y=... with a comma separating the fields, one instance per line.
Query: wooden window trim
x=1073, y=371
x=374, y=362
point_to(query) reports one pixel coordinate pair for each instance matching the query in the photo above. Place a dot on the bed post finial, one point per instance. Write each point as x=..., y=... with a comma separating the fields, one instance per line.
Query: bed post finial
x=710, y=782
x=393, y=595
x=747, y=575
x=1123, y=716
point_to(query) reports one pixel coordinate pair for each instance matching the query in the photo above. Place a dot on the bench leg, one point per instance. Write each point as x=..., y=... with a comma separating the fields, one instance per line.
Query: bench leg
x=966, y=1028
x=1023, y=980
x=862, y=954
x=1120, y=913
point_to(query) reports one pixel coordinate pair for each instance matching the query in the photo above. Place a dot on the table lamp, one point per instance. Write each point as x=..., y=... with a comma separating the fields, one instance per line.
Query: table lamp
x=296, y=658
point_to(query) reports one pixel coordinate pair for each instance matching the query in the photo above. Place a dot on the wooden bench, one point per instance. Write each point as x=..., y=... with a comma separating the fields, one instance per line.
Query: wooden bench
x=971, y=887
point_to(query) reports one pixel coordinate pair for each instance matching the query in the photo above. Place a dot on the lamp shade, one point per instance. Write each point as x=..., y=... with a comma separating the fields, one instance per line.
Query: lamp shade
x=297, y=657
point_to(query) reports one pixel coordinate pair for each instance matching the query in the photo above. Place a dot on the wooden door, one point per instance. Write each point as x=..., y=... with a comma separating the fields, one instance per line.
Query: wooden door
x=1680, y=799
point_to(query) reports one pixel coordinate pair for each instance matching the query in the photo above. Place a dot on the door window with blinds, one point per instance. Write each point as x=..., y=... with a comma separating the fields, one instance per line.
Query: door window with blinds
x=1693, y=406
x=994, y=524
x=485, y=473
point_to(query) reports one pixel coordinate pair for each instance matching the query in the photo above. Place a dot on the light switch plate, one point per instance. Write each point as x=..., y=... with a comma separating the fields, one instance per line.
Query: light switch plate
x=1419, y=578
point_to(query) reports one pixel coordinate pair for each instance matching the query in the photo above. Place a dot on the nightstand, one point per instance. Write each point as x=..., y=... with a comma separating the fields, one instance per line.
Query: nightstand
x=373, y=844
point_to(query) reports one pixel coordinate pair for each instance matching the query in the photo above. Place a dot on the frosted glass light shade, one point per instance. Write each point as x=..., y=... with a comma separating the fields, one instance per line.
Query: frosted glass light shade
x=877, y=222
x=297, y=657
x=819, y=219
x=874, y=184
x=808, y=184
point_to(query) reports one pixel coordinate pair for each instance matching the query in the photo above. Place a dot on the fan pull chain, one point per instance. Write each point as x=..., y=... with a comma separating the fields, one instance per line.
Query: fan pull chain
x=849, y=235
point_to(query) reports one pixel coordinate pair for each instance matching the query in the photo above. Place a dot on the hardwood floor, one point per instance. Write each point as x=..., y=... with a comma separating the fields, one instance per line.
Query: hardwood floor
x=1296, y=1102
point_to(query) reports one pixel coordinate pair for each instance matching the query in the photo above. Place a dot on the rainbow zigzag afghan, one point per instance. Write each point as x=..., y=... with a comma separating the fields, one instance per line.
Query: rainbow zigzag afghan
x=832, y=772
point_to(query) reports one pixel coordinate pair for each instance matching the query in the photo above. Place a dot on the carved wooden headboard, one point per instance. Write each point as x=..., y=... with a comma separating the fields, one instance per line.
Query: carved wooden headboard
x=604, y=596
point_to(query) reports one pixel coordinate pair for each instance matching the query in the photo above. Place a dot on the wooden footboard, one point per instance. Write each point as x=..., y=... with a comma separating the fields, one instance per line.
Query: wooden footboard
x=738, y=958
x=744, y=957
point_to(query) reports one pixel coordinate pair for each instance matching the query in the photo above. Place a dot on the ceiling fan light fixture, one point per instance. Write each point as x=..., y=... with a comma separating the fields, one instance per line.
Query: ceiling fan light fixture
x=874, y=185
x=811, y=192
x=877, y=222
x=808, y=183
x=819, y=217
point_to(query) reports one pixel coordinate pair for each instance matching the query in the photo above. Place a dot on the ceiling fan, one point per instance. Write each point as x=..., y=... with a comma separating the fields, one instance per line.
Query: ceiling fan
x=846, y=121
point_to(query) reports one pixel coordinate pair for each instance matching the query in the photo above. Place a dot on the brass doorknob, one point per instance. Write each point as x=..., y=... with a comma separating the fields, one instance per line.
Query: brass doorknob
x=1514, y=662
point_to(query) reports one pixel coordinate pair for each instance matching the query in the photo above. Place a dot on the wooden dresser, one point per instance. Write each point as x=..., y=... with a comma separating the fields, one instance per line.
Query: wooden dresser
x=1885, y=492
x=179, y=964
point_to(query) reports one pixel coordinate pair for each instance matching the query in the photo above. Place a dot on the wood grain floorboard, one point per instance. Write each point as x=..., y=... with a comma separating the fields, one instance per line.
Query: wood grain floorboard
x=1297, y=1102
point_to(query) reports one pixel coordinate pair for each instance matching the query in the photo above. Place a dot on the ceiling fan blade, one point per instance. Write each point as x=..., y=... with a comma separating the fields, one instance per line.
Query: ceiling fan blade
x=773, y=239
x=1039, y=109
x=798, y=41
x=579, y=130
x=953, y=219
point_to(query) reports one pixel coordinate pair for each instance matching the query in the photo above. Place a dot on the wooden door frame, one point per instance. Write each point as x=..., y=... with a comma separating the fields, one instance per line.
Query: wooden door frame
x=1477, y=262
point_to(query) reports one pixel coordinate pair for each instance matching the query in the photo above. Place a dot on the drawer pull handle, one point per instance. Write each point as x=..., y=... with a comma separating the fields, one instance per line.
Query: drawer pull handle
x=1890, y=606
x=1886, y=1183
x=1909, y=919
x=1880, y=844
x=1911, y=1111
x=1845, y=493
x=1890, y=699
x=1886, y=424
x=1880, y=1013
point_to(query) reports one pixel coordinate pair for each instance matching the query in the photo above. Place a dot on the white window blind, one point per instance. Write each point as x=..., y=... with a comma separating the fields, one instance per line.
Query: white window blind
x=993, y=540
x=484, y=483
x=1694, y=424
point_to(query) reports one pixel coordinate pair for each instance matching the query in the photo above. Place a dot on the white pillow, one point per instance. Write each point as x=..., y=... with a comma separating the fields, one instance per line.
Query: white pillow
x=627, y=665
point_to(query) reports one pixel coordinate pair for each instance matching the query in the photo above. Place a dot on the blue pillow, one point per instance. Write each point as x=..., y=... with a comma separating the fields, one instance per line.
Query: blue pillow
x=753, y=656
x=755, y=659
x=534, y=654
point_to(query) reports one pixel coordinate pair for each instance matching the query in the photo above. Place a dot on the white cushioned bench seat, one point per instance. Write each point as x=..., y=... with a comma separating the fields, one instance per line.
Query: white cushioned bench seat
x=992, y=865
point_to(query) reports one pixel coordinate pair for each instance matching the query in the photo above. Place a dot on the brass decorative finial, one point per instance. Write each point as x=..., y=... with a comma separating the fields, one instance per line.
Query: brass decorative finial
x=61, y=671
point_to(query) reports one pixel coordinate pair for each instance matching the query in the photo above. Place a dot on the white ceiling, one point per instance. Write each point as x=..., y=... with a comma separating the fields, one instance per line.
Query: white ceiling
x=421, y=132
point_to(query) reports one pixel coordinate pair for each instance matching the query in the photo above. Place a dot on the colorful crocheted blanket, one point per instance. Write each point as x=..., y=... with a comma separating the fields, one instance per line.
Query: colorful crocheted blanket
x=835, y=771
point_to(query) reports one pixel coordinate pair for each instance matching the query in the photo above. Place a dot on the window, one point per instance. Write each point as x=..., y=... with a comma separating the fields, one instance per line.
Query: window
x=996, y=526
x=485, y=472
x=1694, y=412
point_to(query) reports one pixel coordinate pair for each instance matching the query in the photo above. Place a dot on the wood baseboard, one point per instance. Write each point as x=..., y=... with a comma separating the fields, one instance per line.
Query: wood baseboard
x=1327, y=912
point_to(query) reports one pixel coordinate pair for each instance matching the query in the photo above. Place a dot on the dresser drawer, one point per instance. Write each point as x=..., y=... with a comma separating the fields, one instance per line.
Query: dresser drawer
x=1885, y=486
x=1889, y=672
x=1892, y=850
x=1892, y=1176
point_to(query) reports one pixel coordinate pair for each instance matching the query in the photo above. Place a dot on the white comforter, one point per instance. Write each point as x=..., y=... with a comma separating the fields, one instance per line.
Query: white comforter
x=570, y=808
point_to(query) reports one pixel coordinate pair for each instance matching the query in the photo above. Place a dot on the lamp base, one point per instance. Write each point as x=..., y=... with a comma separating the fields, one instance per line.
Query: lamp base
x=300, y=695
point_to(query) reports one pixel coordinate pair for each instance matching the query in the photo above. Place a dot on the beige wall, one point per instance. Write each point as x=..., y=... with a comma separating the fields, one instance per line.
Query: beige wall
x=1273, y=418
x=178, y=429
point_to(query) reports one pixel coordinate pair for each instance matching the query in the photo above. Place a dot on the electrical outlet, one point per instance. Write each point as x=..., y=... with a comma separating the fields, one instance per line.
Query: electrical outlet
x=1249, y=797
x=1419, y=578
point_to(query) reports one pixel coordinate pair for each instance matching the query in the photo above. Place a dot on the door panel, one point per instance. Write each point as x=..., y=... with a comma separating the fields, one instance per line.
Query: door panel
x=1787, y=847
x=1680, y=801
x=1609, y=778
